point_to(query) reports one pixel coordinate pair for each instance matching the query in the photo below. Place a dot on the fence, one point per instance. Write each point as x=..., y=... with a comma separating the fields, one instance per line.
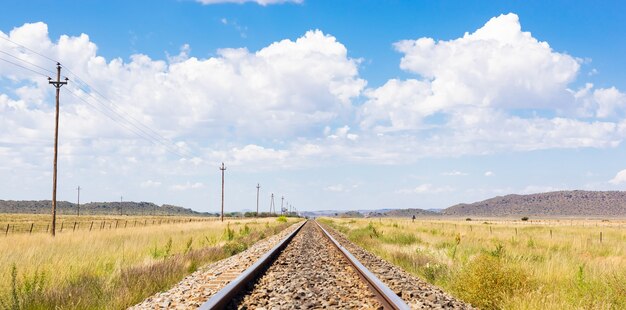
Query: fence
x=92, y=225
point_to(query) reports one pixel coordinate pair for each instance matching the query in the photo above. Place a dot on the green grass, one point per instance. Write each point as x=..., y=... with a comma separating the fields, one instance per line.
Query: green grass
x=500, y=264
x=114, y=269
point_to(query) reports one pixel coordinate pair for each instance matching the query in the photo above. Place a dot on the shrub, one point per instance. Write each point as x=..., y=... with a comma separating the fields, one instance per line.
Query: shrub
x=234, y=247
x=487, y=281
x=468, y=219
x=525, y=218
x=282, y=219
x=229, y=233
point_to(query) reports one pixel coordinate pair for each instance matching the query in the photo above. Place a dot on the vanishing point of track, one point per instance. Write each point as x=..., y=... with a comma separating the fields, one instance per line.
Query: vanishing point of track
x=307, y=269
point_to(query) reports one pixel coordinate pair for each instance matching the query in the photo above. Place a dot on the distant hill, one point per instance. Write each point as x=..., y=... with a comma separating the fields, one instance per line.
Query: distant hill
x=93, y=208
x=372, y=213
x=561, y=203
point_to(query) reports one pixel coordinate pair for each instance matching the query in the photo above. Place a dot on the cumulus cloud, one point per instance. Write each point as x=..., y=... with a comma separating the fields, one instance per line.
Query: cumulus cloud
x=260, y=2
x=286, y=90
x=619, y=178
x=489, y=173
x=297, y=102
x=471, y=91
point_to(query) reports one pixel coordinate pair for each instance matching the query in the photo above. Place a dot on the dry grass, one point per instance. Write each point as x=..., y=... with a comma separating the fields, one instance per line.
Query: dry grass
x=40, y=223
x=115, y=268
x=506, y=264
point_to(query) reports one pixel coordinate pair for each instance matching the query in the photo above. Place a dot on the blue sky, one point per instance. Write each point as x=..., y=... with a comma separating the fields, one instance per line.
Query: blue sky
x=333, y=104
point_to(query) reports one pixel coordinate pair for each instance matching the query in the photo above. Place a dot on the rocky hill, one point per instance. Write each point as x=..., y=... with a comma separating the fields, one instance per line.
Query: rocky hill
x=92, y=208
x=561, y=203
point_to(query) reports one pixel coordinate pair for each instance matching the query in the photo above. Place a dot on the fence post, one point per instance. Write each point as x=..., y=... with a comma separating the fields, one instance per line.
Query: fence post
x=7, y=231
x=516, y=231
x=47, y=227
x=31, y=228
x=115, y=224
x=125, y=223
x=91, y=226
x=600, y=237
x=61, y=227
x=74, y=226
x=550, y=233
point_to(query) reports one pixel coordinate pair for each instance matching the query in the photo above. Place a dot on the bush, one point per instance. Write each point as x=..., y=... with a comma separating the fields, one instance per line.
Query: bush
x=487, y=281
x=525, y=218
x=468, y=219
x=282, y=219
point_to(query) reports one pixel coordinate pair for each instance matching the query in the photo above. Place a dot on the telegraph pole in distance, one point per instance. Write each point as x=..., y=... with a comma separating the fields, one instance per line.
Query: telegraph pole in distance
x=57, y=84
x=258, y=187
x=78, y=202
x=282, y=200
x=272, y=207
x=223, y=169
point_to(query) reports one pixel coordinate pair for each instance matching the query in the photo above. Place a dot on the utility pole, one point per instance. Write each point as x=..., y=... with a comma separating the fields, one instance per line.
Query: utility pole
x=272, y=207
x=223, y=169
x=57, y=84
x=78, y=202
x=258, y=187
x=282, y=200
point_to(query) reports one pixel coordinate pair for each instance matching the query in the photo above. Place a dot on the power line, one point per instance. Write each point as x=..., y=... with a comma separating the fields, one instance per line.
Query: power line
x=29, y=69
x=146, y=131
x=144, y=134
x=124, y=125
x=26, y=61
x=28, y=49
x=120, y=110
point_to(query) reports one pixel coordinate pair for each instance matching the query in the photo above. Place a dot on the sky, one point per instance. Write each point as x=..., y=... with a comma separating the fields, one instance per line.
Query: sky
x=338, y=105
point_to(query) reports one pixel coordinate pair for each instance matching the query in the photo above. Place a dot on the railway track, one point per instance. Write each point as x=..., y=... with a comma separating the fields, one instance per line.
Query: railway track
x=306, y=266
x=307, y=269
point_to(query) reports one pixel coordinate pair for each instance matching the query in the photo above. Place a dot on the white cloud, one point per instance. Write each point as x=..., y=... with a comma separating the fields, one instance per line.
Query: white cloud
x=619, y=178
x=489, y=173
x=534, y=189
x=454, y=173
x=260, y=2
x=296, y=103
x=472, y=89
x=341, y=188
x=150, y=184
x=186, y=186
x=425, y=189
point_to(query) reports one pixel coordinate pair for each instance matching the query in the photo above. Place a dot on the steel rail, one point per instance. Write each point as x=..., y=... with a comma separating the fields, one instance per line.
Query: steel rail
x=221, y=299
x=383, y=293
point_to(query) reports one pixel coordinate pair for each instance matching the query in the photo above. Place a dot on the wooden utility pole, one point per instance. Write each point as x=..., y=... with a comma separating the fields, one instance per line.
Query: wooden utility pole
x=282, y=200
x=57, y=84
x=258, y=187
x=78, y=202
x=223, y=169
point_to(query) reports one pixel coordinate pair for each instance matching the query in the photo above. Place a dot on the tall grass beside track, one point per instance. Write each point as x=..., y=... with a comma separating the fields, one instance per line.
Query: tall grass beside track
x=113, y=269
x=508, y=264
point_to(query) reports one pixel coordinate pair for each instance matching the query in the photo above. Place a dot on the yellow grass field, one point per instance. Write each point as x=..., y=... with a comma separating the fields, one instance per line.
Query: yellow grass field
x=40, y=223
x=114, y=268
x=506, y=264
